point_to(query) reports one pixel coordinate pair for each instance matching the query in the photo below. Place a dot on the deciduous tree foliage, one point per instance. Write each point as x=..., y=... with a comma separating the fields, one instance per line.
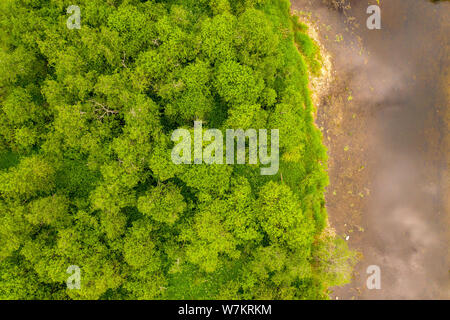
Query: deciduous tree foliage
x=86, y=176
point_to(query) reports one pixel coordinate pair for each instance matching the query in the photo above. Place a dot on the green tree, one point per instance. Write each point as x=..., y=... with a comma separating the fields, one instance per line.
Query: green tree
x=86, y=175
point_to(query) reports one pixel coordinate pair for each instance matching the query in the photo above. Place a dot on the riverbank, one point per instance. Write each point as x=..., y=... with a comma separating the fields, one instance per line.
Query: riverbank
x=383, y=122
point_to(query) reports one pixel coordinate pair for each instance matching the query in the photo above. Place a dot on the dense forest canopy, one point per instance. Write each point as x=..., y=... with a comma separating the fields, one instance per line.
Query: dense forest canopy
x=86, y=177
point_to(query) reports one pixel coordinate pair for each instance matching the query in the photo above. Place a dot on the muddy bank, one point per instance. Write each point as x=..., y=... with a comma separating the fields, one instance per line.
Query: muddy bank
x=385, y=122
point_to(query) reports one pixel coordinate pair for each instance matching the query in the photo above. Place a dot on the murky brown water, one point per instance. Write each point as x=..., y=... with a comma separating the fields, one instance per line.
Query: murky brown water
x=385, y=121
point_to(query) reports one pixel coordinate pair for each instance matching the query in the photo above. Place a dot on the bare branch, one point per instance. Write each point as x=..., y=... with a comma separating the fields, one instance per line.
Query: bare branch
x=123, y=60
x=104, y=108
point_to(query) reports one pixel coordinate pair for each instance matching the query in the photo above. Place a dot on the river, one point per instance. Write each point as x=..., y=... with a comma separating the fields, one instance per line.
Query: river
x=385, y=120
